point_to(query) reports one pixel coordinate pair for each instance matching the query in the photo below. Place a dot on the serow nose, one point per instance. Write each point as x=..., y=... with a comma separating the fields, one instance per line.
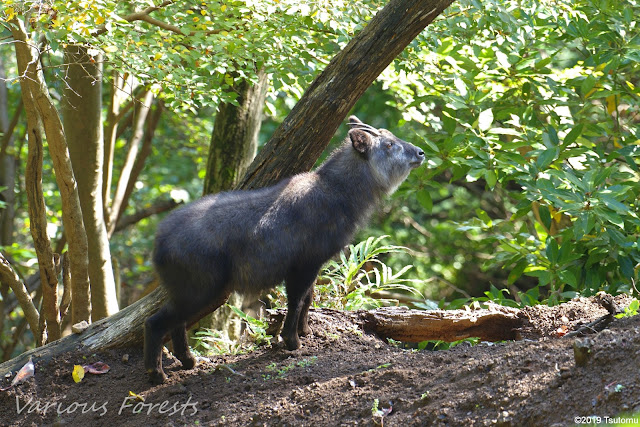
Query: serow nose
x=420, y=153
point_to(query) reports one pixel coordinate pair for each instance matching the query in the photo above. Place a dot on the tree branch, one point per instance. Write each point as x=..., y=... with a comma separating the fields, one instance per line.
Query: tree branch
x=6, y=138
x=144, y=16
x=10, y=277
x=145, y=151
x=159, y=207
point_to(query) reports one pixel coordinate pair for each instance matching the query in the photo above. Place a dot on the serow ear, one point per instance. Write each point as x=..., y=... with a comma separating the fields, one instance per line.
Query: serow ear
x=360, y=140
x=354, y=121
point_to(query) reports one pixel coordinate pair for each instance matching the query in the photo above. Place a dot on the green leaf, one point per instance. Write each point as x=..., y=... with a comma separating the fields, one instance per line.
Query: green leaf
x=546, y=157
x=611, y=217
x=491, y=178
x=544, y=276
x=449, y=123
x=517, y=271
x=587, y=84
x=571, y=137
x=545, y=216
x=552, y=250
x=584, y=224
x=424, y=198
x=613, y=204
x=568, y=277
x=630, y=150
x=626, y=267
x=618, y=237
x=553, y=136
x=484, y=217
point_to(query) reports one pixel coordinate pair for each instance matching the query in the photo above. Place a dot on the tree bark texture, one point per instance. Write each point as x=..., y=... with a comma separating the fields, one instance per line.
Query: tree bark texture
x=307, y=130
x=7, y=161
x=81, y=114
x=403, y=324
x=234, y=140
x=38, y=223
x=35, y=92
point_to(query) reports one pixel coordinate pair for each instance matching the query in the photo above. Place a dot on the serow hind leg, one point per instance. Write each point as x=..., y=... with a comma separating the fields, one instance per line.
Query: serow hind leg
x=181, y=346
x=155, y=329
x=299, y=286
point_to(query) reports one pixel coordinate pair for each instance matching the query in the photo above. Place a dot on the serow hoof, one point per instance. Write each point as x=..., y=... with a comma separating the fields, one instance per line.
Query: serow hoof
x=292, y=343
x=157, y=377
x=188, y=362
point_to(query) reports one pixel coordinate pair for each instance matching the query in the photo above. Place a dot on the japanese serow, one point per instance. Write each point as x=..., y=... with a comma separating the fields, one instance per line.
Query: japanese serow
x=250, y=241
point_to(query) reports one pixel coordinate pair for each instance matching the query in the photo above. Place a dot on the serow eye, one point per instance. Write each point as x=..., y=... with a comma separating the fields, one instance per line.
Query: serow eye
x=389, y=144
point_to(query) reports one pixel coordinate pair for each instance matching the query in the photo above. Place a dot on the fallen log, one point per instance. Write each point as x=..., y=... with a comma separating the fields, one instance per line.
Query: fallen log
x=403, y=324
x=123, y=329
x=406, y=325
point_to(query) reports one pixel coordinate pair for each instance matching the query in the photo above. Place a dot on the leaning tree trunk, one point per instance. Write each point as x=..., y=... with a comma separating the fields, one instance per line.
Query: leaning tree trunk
x=295, y=147
x=234, y=143
x=325, y=104
x=81, y=113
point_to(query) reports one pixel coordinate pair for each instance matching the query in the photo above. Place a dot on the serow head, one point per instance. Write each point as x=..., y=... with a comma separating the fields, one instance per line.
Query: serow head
x=390, y=158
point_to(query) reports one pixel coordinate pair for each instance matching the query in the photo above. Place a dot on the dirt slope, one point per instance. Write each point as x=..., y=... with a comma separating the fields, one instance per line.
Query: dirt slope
x=341, y=371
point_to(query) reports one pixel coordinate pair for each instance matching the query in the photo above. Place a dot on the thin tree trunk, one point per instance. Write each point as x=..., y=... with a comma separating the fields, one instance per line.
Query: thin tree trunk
x=35, y=93
x=7, y=161
x=141, y=158
x=121, y=88
x=38, y=226
x=234, y=140
x=8, y=276
x=49, y=316
x=119, y=199
x=81, y=113
x=110, y=130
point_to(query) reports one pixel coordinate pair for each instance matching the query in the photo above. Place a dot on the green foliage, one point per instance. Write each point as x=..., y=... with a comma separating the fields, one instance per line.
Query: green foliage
x=192, y=52
x=443, y=345
x=210, y=341
x=538, y=103
x=631, y=310
x=213, y=342
x=281, y=372
x=350, y=282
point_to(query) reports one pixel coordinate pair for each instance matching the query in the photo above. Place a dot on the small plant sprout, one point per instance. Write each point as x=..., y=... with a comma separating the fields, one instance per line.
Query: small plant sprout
x=379, y=414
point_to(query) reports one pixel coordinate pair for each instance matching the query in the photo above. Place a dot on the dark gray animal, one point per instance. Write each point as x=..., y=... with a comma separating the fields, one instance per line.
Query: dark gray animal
x=249, y=241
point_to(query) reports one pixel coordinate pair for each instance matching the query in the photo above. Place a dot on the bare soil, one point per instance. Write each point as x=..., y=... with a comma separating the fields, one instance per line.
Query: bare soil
x=341, y=371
